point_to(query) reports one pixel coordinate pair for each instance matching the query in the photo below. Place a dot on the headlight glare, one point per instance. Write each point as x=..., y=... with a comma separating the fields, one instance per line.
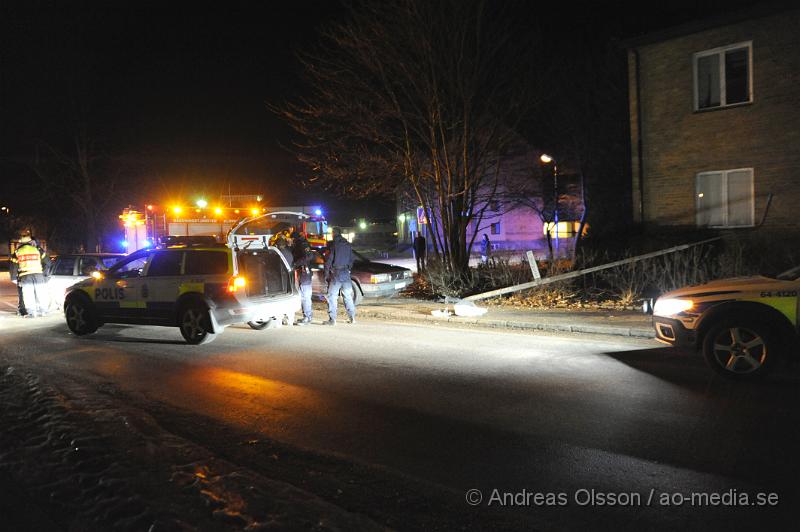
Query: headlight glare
x=672, y=306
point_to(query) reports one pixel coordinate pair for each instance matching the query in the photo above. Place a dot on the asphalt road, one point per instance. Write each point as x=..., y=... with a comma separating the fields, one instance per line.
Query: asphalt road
x=606, y=431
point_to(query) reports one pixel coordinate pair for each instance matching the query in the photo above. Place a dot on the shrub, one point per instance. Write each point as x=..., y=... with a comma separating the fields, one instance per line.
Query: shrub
x=627, y=284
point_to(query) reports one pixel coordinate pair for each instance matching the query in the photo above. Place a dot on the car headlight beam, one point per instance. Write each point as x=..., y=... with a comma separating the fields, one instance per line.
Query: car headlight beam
x=672, y=306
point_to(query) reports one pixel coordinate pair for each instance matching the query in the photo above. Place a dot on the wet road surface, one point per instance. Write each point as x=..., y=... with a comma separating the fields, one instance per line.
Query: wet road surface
x=555, y=432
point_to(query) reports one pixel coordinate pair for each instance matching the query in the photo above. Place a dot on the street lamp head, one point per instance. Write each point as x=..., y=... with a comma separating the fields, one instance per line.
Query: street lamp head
x=546, y=158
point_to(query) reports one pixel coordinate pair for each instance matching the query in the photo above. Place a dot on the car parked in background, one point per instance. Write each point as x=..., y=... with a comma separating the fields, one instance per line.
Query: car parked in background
x=71, y=268
x=370, y=279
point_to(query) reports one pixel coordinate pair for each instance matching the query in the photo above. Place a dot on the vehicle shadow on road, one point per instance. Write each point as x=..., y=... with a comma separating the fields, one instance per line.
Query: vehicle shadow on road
x=689, y=370
x=111, y=333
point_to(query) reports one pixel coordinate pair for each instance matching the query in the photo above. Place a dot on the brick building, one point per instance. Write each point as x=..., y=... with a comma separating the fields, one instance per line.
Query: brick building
x=715, y=122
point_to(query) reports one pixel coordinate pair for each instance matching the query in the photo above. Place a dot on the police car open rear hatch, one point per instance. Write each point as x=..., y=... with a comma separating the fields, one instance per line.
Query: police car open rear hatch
x=255, y=232
x=265, y=268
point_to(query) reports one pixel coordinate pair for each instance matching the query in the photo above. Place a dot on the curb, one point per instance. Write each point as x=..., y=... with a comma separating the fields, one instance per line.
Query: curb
x=631, y=332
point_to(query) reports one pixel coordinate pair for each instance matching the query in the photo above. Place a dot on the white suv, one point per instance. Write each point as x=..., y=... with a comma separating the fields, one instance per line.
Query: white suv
x=200, y=289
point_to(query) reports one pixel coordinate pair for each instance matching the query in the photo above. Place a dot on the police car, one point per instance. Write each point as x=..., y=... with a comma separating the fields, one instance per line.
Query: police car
x=199, y=289
x=743, y=326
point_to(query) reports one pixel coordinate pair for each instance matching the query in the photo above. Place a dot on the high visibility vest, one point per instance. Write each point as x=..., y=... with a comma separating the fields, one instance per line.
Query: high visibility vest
x=29, y=260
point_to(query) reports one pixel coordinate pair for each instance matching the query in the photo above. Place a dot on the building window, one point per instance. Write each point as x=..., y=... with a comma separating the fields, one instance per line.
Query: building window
x=495, y=228
x=723, y=76
x=725, y=198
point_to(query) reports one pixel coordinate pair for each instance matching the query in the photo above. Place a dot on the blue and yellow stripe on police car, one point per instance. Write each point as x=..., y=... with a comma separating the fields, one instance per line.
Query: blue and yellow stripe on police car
x=786, y=305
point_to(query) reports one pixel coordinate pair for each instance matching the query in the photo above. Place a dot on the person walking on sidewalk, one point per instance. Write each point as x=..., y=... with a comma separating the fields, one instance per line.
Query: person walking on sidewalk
x=337, y=272
x=486, y=248
x=420, y=247
x=304, y=258
x=30, y=275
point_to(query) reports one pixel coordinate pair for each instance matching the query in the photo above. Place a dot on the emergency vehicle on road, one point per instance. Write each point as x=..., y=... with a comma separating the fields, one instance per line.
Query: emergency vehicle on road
x=743, y=326
x=159, y=224
x=199, y=289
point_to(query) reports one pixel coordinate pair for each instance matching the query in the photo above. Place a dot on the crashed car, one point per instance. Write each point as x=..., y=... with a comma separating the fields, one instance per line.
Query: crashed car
x=370, y=279
x=743, y=326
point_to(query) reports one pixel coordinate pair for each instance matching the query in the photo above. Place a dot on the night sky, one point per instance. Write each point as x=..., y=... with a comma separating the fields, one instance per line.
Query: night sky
x=182, y=90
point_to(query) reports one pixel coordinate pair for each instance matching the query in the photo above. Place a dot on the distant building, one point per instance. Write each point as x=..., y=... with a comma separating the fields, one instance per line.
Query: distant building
x=715, y=121
x=513, y=218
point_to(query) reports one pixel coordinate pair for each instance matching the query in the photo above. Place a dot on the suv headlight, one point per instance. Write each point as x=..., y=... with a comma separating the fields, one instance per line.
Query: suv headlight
x=380, y=278
x=670, y=306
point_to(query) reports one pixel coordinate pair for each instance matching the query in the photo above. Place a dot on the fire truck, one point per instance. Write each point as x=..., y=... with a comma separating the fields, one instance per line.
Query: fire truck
x=158, y=225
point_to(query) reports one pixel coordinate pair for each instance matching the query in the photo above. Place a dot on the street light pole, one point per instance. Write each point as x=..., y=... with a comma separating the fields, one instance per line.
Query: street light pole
x=548, y=159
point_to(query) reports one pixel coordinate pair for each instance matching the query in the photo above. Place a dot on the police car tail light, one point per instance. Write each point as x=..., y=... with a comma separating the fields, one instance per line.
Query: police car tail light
x=236, y=283
x=670, y=307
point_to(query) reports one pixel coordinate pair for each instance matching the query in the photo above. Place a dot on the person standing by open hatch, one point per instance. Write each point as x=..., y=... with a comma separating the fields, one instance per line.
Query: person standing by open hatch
x=337, y=272
x=304, y=259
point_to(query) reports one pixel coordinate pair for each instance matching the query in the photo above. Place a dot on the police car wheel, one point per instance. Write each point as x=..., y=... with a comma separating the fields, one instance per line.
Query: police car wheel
x=80, y=317
x=195, y=325
x=740, y=349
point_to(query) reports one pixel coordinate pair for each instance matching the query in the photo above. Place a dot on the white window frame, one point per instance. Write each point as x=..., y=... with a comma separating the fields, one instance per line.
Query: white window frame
x=722, y=89
x=724, y=174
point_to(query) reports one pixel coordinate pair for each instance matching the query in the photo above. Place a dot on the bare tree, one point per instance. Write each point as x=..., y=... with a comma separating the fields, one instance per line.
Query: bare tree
x=79, y=182
x=419, y=96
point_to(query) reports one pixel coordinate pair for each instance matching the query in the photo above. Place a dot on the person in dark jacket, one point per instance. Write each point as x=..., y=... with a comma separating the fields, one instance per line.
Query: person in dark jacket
x=486, y=248
x=304, y=259
x=420, y=247
x=282, y=241
x=337, y=272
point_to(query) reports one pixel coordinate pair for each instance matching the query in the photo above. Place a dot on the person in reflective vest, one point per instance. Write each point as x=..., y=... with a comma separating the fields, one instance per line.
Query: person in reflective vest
x=31, y=277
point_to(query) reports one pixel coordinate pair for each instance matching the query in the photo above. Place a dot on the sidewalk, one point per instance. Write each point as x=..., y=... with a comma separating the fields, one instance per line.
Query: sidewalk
x=615, y=323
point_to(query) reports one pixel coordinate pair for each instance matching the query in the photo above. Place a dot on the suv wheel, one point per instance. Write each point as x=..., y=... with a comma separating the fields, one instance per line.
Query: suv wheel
x=740, y=349
x=357, y=297
x=195, y=324
x=262, y=324
x=81, y=318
